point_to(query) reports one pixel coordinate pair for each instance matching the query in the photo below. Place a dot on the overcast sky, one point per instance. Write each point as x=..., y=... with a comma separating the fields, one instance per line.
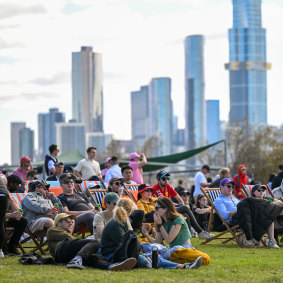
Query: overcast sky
x=138, y=39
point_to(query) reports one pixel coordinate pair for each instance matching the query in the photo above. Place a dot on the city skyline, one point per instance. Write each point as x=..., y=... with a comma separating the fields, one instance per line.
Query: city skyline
x=138, y=40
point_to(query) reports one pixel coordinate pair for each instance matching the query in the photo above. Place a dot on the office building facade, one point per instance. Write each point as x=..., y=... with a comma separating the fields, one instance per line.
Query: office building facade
x=87, y=93
x=247, y=64
x=195, y=114
x=140, y=116
x=16, y=128
x=70, y=136
x=27, y=142
x=100, y=141
x=161, y=114
x=213, y=124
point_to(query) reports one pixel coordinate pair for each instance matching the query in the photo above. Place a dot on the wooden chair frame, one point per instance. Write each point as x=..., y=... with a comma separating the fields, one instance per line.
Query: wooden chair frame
x=232, y=230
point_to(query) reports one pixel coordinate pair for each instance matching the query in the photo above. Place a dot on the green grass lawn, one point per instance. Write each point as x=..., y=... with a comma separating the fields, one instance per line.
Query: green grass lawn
x=229, y=263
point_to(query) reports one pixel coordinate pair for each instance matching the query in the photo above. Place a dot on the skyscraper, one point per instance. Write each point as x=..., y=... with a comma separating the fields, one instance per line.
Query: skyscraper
x=247, y=66
x=213, y=124
x=70, y=136
x=87, y=104
x=161, y=114
x=139, y=115
x=16, y=128
x=195, y=115
x=47, y=130
x=27, y=142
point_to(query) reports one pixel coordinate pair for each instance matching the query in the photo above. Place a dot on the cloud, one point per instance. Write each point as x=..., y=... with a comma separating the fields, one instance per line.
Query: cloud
x=5, y=60
x=6, y=45
x=9, y=26
x=8, y=10
x=112, y=76
x=71, y=8
x=26, y=96
x=58, y=78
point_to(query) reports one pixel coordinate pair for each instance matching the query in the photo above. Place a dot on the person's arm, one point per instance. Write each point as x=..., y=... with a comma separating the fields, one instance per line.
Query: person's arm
x=143, y=162
x=202, y=210
x=78, y=169
x=221, y=208
x=51, y=166
x=77, y=174
x=14, y=212
x=66, y=210
x=158, y=238
x=168, y=237
x=30, y=202
x=178, y=198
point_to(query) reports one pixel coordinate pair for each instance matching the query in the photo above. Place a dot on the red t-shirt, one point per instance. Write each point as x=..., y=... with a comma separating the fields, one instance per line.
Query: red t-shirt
x=168, y=192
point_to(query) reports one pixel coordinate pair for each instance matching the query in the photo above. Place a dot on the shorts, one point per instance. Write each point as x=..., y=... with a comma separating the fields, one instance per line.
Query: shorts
x=38, y=224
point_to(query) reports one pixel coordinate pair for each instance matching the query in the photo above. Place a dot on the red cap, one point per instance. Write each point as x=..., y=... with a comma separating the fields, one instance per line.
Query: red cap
x=25, y=158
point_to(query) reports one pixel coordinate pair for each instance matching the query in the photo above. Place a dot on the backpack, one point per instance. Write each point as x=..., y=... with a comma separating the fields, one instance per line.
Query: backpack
x=130, y=246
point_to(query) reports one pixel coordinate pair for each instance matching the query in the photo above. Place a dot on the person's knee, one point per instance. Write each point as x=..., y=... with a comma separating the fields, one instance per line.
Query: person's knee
x=49, y=223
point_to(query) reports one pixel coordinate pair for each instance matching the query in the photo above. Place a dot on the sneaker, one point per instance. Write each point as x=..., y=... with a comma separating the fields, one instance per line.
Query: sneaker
x=76, y=263
x=194, y=265
x=1, y=254
x=205, y=235
x=272, y=244
x=127, y=264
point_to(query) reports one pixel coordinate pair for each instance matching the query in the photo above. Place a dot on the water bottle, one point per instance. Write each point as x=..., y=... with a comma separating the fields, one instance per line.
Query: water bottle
x=154, y=257
x=56, y=205
x=97, y=207
x=20, y=211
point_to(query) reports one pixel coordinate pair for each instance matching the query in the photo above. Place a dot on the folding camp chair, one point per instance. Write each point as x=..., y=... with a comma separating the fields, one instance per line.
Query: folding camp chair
x=37, y=238
x=97, y=195
x=211, y=194
x=132, y=191
x=55, y=187
x=247, y=190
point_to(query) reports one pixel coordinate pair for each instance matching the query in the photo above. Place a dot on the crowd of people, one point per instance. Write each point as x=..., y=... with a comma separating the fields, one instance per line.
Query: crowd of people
x=166, y=219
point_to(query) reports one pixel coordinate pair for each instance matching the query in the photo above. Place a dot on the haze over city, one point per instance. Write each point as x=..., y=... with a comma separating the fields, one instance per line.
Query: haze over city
x=138, y=40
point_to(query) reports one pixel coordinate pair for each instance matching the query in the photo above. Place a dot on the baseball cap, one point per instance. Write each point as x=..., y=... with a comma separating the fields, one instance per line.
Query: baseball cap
x=162, y=174
x=65, y=176
x=258, y=186
x=184, y=192
x=25, y=158
x=107, y=159
x=111, y=197
x=37, y=184
x=113, y=179
x=144, y=187
x=63, y=216
x=93, y=186
x=226, y=181
x=58, y=163
x=134, y=155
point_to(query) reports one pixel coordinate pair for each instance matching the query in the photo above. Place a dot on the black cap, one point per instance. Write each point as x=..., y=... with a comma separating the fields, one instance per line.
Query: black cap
x=257, y=186
x=184, y=192
x=37, y=184
x=162, y=174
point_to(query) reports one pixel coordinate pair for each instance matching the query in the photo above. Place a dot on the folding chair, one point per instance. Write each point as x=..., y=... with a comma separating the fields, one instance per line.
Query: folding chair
x=211, y=194
x=247, y=190
x=37, y=238
x=132, y=191
x=55, y=187
x=97, y=195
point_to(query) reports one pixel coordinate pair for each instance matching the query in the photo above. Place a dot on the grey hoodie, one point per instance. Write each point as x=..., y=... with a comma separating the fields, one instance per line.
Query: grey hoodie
x=36, y=206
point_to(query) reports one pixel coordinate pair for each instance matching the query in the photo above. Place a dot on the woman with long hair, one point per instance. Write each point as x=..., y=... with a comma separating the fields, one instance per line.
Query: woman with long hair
x=202, y=211
x=172, y=227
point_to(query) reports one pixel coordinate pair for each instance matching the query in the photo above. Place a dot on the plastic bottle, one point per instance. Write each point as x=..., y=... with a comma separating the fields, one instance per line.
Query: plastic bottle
x=154, y=257
x=97, y=206
x=56, y=205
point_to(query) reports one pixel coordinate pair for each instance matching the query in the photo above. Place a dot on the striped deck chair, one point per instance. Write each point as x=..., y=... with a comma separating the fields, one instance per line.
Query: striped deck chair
x=132, y=190
x=55, y=187
x=97, y=195
x=247, y=191
x=37, y=238
x=211, y=194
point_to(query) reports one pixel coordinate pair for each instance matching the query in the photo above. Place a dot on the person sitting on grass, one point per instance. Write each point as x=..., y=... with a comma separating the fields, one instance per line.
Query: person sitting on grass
x=202, y=212
x=101, y=218
x=116, y=228
x=172, y=227
x=77, y=253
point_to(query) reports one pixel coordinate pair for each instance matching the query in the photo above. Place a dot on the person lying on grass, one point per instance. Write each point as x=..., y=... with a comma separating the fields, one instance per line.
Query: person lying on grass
x=76, y=253
x=173, y=228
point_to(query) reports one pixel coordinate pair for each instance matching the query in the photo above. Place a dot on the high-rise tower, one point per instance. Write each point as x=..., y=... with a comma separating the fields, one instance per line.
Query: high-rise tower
x=247, y=66
x=87, y=104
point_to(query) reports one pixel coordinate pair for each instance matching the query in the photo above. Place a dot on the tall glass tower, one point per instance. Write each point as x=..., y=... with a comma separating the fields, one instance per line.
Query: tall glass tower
x=194, y=92
x=247, y=66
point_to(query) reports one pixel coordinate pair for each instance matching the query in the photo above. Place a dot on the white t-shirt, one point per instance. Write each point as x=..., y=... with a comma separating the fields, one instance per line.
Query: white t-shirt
x=88, y=168
x=199, y=178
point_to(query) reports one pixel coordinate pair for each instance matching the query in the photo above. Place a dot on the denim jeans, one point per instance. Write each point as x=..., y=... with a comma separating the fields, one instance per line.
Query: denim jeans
x=164, y=263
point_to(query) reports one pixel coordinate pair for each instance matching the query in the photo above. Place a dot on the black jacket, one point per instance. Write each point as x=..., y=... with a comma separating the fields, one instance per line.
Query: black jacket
x=52, y=178
x=256, y=215
x=277, y=180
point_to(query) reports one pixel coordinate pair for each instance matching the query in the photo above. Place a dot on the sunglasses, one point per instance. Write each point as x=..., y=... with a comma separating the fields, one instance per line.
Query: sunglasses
x=147, y=190
x=69, y=221
x=260, y=190
x=165, y=178
x=229, y=186
x=68, y=181
x=44, y=188
x=117, y=183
